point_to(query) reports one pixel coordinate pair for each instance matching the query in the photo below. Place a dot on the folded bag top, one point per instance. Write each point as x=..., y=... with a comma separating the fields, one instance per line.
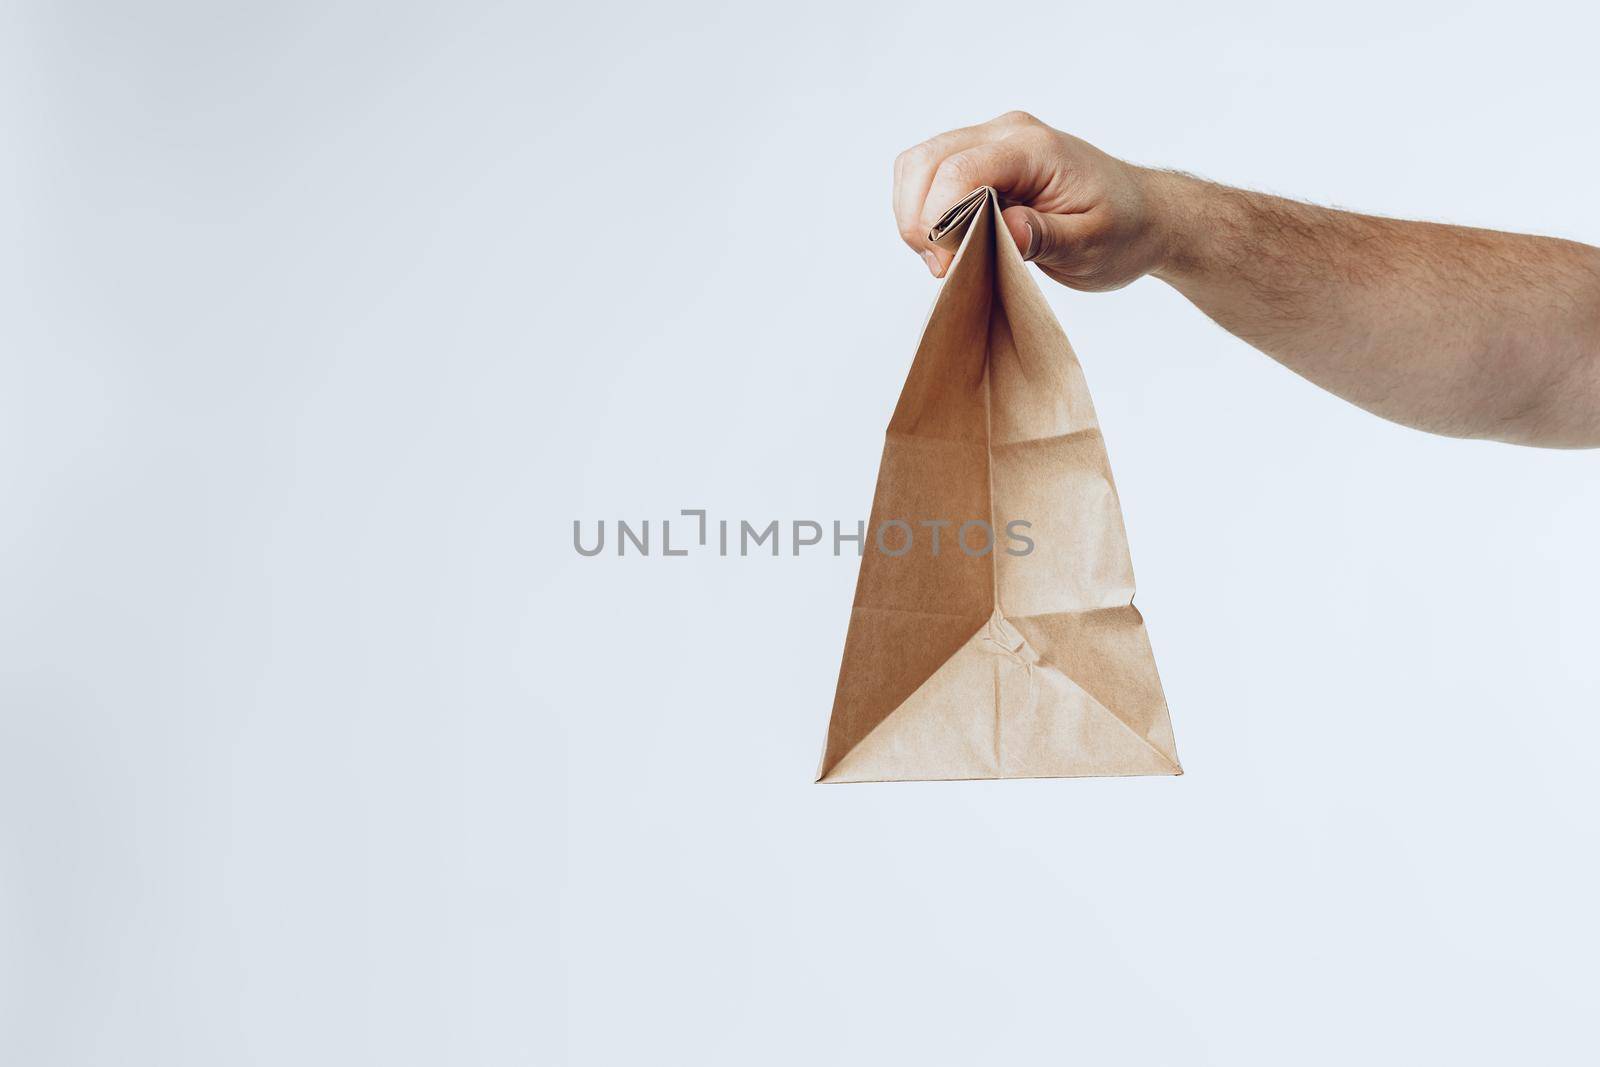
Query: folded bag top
x=993, y=633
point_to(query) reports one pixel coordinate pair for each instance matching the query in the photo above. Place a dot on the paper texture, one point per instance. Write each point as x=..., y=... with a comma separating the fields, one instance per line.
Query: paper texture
x=971, y=664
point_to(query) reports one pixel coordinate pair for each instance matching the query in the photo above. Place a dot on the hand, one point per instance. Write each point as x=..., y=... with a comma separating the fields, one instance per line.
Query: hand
x=1088, y=220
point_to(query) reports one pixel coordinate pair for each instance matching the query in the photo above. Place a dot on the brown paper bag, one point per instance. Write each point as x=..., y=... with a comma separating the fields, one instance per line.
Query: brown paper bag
x=1009, y=663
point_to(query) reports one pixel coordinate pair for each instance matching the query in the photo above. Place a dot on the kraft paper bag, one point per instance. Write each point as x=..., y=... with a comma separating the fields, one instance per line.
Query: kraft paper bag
x=1014, y=662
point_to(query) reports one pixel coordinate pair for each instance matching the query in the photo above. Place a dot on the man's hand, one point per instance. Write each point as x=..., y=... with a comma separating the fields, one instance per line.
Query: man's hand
x=1464, y=332
x=1085, y=218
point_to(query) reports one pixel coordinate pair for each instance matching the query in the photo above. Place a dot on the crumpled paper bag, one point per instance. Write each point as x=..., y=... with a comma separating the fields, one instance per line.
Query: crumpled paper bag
x=1015, y=662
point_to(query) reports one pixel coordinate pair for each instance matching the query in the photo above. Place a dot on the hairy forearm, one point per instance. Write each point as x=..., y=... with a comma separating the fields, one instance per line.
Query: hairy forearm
x=1465, y=332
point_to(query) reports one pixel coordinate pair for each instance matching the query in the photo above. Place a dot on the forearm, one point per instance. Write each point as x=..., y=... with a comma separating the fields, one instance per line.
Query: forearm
x=1471, y=333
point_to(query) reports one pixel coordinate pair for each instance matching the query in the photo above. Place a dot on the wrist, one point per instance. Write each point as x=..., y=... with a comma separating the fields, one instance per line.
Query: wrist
x=1172, y=202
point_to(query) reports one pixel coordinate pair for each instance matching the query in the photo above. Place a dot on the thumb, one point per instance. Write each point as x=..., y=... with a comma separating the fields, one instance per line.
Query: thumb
x=1042, y=237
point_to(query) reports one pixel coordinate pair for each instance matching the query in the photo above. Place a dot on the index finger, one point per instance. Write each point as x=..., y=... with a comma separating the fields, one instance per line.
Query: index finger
x=913, y=176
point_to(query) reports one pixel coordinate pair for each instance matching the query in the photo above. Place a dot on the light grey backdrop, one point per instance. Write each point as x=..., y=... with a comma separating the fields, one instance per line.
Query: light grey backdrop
x=320, y=745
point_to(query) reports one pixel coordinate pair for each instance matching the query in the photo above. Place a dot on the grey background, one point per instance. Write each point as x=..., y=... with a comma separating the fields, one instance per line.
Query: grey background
x=320, y=323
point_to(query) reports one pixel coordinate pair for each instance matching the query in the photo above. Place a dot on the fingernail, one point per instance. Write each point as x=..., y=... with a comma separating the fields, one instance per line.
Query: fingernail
x=933, y=263
x=1033, y=240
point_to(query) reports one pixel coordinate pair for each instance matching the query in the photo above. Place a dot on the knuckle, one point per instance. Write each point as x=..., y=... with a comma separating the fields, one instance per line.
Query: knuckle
x=1034, y=136
x=960, y=168
x=1018, y=118
x=917, y=153
x=1077, y=251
